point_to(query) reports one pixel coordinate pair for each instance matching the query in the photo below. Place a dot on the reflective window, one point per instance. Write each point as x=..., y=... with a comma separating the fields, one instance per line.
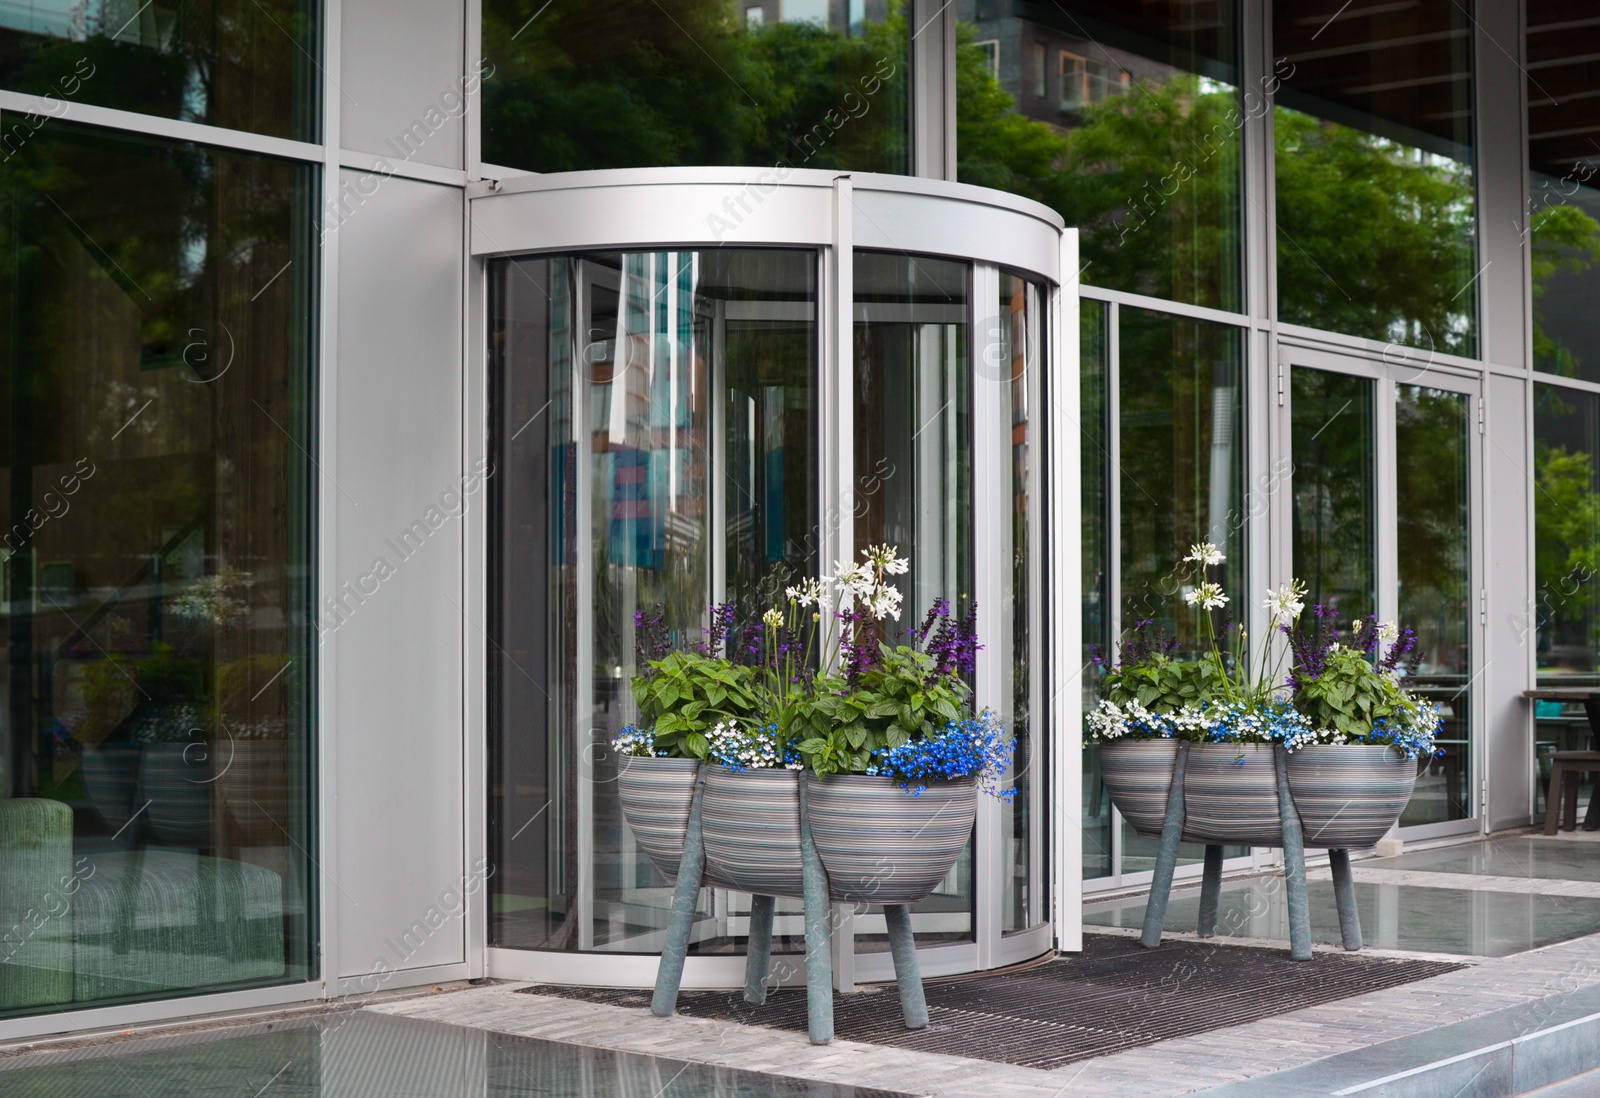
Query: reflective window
x=639, y=83
x=656, y=426
x=1566, y=534
x=243, y=64
x=156, y=564
x=1562, y=222
x=1374, y=167
x=1127, y=120
x=913, y=459
x=1433, y=539
x=1334, y=516
x=1094, y=434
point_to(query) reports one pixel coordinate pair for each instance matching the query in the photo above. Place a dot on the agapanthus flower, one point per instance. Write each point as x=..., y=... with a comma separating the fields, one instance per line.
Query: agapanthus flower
x=773, y=617
x=1286, y=603
x=884, y=557
x=1204, y=552
x=808, y=592
x=884, y=602
x=1207, y=596
x=854, y=578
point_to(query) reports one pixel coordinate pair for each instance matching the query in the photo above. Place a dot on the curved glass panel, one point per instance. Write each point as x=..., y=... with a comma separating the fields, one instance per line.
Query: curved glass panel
x=655, y=429
x=913, y=460
x=641, y=83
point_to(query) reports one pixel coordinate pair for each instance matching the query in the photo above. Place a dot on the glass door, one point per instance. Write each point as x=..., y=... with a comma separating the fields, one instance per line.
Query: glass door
x=1381, y=522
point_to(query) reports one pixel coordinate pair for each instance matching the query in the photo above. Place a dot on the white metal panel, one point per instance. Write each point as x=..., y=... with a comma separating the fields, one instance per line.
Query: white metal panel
x=932, y=224
x=1511, y=631
x=402, y=93
x=400, y=877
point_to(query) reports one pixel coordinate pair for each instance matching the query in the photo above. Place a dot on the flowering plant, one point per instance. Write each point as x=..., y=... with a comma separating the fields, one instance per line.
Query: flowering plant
x=1353, y=693
x=820, y=682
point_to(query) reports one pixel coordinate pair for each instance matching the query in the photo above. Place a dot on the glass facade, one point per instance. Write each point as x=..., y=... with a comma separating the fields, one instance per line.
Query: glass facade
x=241, y=64
x=156, y=813
x=1376, y=208
x=1334, y=433
x=637, y=83
x=1127, y=120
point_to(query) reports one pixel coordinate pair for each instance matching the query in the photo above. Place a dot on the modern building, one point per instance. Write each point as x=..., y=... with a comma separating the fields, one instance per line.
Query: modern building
x=370, y=366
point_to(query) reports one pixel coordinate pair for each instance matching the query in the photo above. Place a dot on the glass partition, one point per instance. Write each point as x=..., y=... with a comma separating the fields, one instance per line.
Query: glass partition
x=156, y=811
x=1333, y=440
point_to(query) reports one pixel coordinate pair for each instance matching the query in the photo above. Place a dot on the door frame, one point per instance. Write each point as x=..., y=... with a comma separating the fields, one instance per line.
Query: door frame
x=1389, y=367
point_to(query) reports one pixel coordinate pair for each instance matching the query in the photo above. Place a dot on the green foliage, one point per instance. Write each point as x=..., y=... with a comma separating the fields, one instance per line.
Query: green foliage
x=687, y=693
x=1565, y=241
x=1351, y=695
x=900, y=698
x=1164, y=685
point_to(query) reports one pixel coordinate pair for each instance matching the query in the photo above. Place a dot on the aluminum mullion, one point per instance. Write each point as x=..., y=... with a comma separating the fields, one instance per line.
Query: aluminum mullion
x=150, y=125
x=1113, y=613
x=1163, y=305
x=991, y=567
x=577, y=726
x=1062, y=417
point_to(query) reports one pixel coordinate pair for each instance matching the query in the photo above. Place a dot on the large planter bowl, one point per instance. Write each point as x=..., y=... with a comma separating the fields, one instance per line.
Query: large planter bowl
x=1230, y=794
x=656, y=795
x=882, y=845
x=1138, y=775
x=1349, y=795
x=751, y=822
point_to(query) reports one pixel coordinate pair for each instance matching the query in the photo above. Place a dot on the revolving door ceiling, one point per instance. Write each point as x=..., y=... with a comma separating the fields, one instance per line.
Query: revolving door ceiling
x=679, y=427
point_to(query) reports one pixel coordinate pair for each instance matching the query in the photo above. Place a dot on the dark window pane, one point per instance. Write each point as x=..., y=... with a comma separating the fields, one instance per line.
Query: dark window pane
x=1375, y=198
x=641, y=83
x=1333, y=437
x=243, y=64
x=1126, y=119
x=157, y=563
x=1434, y=534
x=1563, y=215
x=1566, y=526
x=1094, y=433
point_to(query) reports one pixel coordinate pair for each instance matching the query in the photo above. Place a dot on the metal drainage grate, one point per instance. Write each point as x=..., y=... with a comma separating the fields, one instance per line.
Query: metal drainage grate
x=1112, y=996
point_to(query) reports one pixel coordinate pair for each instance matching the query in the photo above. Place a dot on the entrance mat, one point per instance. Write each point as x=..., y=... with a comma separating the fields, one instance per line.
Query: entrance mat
x=1114, y=995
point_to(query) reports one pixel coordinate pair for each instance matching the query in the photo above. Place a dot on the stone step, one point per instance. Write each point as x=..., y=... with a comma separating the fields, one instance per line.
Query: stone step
x=1502, y=1054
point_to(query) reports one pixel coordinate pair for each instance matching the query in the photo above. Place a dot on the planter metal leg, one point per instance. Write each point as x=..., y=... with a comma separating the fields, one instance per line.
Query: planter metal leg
x=907, y=973
x=1155, y=909
x=758, y=950
x=1210, y=891
x=1294, y=863
x=681, y=921
x=1344, y=894
x=819, y=960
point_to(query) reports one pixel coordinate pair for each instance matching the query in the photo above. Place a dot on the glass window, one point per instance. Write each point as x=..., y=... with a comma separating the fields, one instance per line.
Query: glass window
x=1563, y=215
x=1140, y=149
x=655, y=431
x=913, y=462
x=155, y=740
x=243, y=64
x=1374, y=168
x=1040, y=75
x=1566, y=534
x=1333, y=440
x=1433, y=537
x=637, y=83
x=1094, y=442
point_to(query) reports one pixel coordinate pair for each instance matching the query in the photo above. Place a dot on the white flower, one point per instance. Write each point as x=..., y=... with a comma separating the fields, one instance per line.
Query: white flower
x=808, y=592
x=1208, y=596
x=1286, y=603
x=773, y=617
x=884, y=601
x=854, y=578
x=1204, y=553
x=883, y=557
x=1388, y=632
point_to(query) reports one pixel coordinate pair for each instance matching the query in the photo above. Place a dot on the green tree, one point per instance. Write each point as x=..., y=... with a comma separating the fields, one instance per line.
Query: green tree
x=1565, y=241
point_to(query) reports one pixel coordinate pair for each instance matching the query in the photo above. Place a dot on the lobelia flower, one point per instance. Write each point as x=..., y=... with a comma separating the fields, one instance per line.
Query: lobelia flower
x=1207, y=596
x=1204, y=552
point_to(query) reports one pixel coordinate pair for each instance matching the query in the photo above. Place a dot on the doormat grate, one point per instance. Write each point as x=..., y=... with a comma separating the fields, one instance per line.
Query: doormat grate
x=1113, y=996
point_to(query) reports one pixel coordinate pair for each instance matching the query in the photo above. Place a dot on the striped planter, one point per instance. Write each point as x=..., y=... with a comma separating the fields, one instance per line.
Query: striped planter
x=1349, y=795
x=655, y=795
x=879, y=843
x=751, y=821
x=1138, y=775
x=1230, y=794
